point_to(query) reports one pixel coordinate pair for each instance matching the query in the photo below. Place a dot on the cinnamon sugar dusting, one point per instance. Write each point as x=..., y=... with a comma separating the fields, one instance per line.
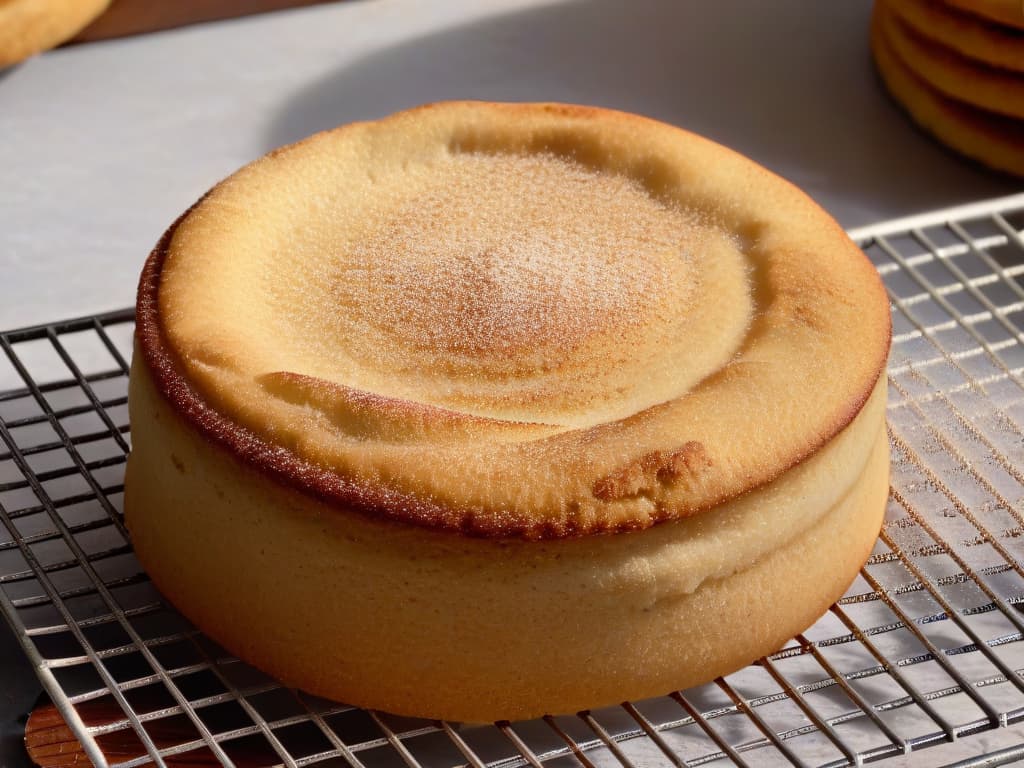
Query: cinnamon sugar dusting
x=500, y=254
x=514, y=287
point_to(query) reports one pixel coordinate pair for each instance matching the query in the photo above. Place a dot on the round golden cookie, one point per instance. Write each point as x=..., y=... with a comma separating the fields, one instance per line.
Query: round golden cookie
x=483, y=411
x=956, y=76
x=1010, y=12
x=968, y=35
x=30, y=26
x=992, y=139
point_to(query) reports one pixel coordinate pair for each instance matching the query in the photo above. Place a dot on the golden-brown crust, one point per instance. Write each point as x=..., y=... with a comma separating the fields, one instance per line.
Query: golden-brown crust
x=654, y=467
x=950, y=72
x=30, y=26
x=385, y=418
x=969, y=35
x=1009, y=12
x=247, y=447
x=994, y=140
x=661, y=482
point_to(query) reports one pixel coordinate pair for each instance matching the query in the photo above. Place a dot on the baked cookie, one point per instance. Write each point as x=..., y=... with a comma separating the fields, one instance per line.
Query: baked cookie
x=1010, y=12
x=991, y=139
x=30, y=26
x=482, y=411
x=963, y=33
x=959, y=78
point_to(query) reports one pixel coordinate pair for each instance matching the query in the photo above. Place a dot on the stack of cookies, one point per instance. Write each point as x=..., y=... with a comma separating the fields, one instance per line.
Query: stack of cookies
x=957, y=66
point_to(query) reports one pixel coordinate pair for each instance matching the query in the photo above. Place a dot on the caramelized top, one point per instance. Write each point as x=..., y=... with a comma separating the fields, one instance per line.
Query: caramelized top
x=513, y=320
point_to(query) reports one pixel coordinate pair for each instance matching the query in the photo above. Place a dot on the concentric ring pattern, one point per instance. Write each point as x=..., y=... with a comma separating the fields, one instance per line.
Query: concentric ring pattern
x=589, y=320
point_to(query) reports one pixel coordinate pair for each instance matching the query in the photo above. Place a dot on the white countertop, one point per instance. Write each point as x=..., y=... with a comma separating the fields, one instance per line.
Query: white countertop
x=102, y=145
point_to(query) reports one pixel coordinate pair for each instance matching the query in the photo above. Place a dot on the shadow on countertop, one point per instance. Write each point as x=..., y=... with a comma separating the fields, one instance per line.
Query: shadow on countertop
x=789, y=83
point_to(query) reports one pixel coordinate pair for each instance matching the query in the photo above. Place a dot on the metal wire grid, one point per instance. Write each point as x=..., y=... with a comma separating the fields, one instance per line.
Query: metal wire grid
x=925, y=648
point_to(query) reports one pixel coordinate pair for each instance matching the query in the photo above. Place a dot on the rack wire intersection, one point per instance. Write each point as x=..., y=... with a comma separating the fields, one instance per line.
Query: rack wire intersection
x=924, y=651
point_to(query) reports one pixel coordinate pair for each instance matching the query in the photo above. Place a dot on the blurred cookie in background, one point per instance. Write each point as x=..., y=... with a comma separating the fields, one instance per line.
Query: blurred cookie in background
x=1010, y=12
x=951, y=73
x=959, y=74
x=30, y=26
x=133, y=17
x=964, y=33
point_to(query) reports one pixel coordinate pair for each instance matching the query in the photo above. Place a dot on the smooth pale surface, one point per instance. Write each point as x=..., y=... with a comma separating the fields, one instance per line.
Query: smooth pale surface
x=423, y=627
x=102, y=145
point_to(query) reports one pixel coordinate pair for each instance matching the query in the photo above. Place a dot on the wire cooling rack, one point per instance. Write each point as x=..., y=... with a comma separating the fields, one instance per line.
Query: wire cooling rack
x=924, y=651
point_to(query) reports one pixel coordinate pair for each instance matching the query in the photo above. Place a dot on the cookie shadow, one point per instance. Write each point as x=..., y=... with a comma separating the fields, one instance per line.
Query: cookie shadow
x=789, y=83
